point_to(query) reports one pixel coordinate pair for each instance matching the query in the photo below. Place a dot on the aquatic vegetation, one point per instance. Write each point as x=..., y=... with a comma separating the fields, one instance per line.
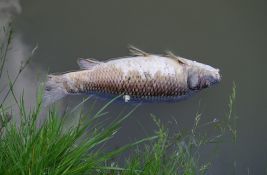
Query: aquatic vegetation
x=176, y=153
x=49, y=149
x=30, y=147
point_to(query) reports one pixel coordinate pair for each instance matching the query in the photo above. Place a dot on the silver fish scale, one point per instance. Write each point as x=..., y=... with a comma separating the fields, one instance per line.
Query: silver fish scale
x=112, y=81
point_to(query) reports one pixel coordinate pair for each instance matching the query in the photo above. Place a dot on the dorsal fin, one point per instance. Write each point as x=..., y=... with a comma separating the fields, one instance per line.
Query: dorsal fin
x=87, y=63
x=173, y=56
x=137, y=52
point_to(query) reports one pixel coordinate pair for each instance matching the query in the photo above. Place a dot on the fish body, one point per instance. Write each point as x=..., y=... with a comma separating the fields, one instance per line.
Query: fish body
x=142, y=77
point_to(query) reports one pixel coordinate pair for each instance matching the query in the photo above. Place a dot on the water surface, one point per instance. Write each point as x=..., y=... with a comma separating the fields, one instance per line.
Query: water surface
x=230, y=35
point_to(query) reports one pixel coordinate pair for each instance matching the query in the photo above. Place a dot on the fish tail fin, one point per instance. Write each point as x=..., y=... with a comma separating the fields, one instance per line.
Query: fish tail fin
x=54, y=89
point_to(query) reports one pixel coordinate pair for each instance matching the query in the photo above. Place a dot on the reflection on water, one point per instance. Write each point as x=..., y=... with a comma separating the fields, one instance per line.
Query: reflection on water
x=230, y=35
x=18, y=53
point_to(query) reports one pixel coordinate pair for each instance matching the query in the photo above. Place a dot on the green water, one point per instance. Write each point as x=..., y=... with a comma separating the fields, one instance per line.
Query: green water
x=230, y=35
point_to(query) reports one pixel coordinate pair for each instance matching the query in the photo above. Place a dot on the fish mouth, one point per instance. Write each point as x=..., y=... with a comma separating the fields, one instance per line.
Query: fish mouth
x=218, y=79
x=215, y=81
x=211, y=81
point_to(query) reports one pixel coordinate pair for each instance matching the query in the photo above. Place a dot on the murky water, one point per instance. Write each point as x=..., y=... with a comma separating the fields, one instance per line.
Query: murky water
x=230, y=35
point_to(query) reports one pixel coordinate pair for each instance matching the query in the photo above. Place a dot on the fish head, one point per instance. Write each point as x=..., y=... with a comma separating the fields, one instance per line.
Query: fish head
x=201, y=76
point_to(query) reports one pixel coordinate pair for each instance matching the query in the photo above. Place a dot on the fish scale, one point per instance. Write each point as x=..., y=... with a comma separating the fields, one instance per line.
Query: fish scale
x=111, y=81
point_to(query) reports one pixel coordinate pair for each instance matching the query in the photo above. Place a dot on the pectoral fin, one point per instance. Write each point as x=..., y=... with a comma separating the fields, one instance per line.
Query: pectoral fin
x=87, y=63
x=126, y=98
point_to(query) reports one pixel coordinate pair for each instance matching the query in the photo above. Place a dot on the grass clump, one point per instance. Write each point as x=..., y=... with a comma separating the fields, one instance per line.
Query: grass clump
x=49, y=149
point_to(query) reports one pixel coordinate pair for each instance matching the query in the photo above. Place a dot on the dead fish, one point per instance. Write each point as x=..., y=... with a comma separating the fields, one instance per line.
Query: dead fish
x=141, y=77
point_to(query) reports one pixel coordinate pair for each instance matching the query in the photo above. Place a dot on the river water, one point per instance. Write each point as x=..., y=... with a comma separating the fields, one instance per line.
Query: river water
x=230, y=35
